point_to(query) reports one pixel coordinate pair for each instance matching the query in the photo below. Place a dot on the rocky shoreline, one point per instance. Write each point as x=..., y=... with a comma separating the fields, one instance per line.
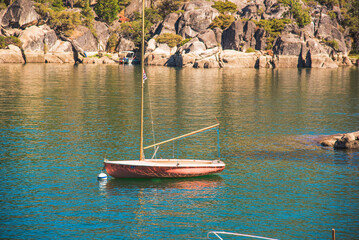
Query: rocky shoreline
x=244, y=44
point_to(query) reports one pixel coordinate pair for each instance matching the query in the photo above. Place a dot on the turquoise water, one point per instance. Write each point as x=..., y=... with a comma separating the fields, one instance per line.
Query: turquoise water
x=58, y=123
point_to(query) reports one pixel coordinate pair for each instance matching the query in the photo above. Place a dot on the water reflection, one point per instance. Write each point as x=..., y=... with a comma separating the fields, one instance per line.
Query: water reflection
x=60, y=121
x=157, y=206
x=199, y=185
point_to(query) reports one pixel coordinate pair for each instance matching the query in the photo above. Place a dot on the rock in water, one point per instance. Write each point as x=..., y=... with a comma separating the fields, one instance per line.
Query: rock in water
x=341, y=141
x=348, y=141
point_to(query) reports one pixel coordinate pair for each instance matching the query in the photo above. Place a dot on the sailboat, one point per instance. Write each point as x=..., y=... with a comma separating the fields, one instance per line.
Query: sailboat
x=161, y=168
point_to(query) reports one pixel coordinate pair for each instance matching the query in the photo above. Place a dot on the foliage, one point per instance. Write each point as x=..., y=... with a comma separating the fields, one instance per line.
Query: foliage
x=133, y=30
x=184, y=41
x=332, y=43
x=151, y=16
x=6, y=41
x=355, y=56
x=179, y=11
x=130, y=30
x=88, y=18
x=222, y=21
x=123, y=4
x=332, y=15
x=312, y=3
x=328, y=3
x=87, y=12
x=112, y=42
x=168, y=6
x=351, y=20
x=65, y=21
x=273, y=26
x=269, y=42
x=250, y=50
x=170, y=39
x=3, y=5
x=74, y=3
x=301, y=16
x=107, y=10
x=57, y=5
x=62, y=22
x=224, y=7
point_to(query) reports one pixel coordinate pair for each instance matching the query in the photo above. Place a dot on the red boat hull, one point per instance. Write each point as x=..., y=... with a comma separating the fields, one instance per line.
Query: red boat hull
x=128, y=170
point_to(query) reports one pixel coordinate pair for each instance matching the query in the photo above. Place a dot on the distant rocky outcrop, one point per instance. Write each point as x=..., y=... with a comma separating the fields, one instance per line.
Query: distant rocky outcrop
x=341, y=141
x=309, y=46
x=245, y=42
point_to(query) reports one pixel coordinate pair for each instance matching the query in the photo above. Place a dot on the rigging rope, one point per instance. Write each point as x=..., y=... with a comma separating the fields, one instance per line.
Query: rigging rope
x=151, y=119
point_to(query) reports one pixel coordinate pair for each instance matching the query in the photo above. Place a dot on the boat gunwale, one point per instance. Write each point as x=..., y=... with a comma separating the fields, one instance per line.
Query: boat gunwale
x=169, y=163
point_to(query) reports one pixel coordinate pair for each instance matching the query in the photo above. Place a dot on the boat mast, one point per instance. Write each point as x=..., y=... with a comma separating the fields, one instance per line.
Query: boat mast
x=142, y=76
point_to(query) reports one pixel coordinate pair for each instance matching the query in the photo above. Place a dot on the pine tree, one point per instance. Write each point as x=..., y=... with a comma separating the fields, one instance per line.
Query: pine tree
x=107, y=10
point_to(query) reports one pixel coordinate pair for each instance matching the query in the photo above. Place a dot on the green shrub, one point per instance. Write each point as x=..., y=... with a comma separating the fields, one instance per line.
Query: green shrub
x=87, y=12
x=57, y=5
x=151, y=16
x=65, y=21
x=184, y=41
x=301, y=16
x=2, y=5
x=312, y=3
x=250, y=50
x=350, y=20
x=107, y=10
x=179, y=11
x=6, y=41
x=222, y=21
x=328, y=3
x=112, y=42
x=269, y=42
x=123, y=4
x=166, y=7
x=273, y=26
x=353, y=55
x=133, y=30
x=332, y=43
x=224, y=7
x=332, y=15
x=88, y=18
x=170, y=39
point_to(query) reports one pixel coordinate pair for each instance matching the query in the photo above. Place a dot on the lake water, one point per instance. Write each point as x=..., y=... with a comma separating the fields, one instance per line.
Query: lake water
x=58, y=123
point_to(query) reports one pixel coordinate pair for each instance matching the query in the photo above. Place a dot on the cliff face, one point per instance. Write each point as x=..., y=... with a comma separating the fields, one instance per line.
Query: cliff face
x=257, y=33
x=322, y=43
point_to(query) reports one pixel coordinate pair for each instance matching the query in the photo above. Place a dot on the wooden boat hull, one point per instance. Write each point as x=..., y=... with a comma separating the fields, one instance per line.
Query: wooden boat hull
x=167, y=168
